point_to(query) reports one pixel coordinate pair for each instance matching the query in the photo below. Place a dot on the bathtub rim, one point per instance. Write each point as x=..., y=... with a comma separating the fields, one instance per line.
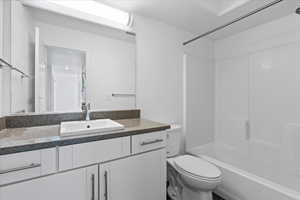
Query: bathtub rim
x=290, y=193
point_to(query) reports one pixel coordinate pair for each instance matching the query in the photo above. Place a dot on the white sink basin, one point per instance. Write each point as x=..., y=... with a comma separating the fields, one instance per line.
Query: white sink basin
x=88, y=127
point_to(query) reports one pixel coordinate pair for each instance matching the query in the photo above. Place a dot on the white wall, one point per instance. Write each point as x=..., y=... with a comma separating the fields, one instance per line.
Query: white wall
x=159, y=72
x=199, y=93
x=161, y=77
x=1, y=51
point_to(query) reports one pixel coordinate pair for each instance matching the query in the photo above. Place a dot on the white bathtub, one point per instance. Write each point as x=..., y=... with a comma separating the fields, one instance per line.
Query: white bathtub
x=240, y=171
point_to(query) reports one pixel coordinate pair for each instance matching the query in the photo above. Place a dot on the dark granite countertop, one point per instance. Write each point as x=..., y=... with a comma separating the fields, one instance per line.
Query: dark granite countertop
x=16, y=140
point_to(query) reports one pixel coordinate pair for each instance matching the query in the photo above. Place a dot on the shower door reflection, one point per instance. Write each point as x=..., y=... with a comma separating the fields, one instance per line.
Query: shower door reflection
x=62, y=80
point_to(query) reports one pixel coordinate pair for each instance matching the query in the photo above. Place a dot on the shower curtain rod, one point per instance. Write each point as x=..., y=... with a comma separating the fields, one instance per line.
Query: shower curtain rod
x=12, y=68
x=234, y=21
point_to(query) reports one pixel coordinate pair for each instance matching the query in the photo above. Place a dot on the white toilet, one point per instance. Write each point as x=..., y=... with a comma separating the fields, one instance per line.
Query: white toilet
x=189, y=177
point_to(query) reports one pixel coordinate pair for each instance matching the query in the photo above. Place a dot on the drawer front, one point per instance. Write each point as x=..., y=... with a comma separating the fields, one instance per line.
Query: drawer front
x=100, y=151
x=22, y=166
x=148, y=142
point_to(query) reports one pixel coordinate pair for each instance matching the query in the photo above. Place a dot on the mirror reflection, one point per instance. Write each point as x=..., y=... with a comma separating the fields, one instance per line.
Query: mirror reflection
x=69, y=61
x=62, y=78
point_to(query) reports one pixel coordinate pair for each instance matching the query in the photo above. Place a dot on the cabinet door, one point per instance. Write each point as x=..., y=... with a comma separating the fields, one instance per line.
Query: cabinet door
x=75, y=185
x=134, y=178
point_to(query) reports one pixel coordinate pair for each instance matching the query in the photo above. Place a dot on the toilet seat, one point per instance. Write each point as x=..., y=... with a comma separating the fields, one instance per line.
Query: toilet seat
x=199, y=178
x=197, y=168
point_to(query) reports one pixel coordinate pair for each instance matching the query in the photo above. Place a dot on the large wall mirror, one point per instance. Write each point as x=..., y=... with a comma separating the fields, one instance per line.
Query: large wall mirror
x=68, y=61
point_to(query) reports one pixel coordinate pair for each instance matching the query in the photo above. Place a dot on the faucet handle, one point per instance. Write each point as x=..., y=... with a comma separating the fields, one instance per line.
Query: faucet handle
x=83, y=106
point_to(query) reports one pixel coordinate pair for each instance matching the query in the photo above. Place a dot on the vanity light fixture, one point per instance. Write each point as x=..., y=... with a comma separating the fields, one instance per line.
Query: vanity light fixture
x=88, y=10
x=97, y=9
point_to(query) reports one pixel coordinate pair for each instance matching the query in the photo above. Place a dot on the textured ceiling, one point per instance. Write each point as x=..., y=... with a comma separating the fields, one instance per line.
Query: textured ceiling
x=221, y=7
x=198, y=16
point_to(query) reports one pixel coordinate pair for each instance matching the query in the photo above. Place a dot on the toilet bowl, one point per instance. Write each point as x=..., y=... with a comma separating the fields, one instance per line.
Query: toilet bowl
x=189, y=177
x=193, y=178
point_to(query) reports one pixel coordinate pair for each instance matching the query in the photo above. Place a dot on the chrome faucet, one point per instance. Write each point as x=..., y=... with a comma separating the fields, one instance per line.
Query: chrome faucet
x=86, y=111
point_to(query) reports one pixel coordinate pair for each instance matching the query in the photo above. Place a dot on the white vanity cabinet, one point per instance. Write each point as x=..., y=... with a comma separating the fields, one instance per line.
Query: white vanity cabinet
x=79, y=184
x=124, y=168
x=142, y=176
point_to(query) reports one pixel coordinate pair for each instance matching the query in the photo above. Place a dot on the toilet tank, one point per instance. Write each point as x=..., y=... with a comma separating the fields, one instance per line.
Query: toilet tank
x=173, y=140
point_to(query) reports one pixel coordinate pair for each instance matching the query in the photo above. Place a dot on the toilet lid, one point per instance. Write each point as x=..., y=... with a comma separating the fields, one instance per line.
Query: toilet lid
x=197, y=166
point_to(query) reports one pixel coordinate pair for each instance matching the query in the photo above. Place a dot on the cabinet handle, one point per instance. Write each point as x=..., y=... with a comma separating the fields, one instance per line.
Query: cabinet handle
x=31, y=166
x=93, y=186
x=152, y=142
x=106, y=185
